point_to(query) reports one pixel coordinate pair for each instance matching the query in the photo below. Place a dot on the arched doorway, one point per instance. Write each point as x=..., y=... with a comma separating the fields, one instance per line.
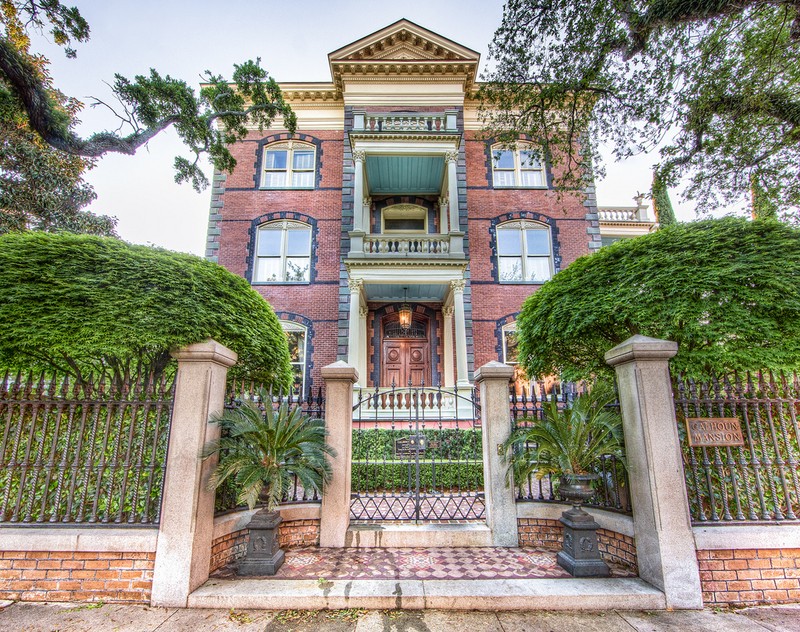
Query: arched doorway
x=405, y=352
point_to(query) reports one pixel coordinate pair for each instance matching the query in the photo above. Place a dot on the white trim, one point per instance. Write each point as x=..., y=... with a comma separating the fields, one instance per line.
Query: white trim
x=232, y=522
x=83, y=539
x=609, y=520
x=750, y=536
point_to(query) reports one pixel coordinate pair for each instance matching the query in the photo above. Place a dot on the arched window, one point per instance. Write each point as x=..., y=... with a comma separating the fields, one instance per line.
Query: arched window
x=283, y=253
x=404, y=218
x=519, y=167
x=289, y=165
x=296, y=337
x=524, y=252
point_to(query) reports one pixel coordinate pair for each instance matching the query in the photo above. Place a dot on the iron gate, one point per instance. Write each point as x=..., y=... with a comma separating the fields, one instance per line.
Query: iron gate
x=417, y=455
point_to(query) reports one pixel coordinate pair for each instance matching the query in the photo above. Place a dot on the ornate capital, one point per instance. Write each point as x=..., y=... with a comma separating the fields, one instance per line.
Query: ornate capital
x=363, y=311
x=451, y=156
x=355, y=285
x=443, y=201
x=458, y=285
x=367, y=202
x=359, y=155
x=448, y=311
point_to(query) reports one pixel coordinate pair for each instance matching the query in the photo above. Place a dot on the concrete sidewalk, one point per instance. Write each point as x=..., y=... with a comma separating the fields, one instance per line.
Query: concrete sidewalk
x=34, y=617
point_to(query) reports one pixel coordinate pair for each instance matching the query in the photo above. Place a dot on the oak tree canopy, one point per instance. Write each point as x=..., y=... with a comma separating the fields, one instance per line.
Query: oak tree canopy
x=715, y=83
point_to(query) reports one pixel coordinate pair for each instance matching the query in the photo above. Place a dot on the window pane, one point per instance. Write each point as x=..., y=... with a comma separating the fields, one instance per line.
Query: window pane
x=296, y=340
x=297, y=269
x=503, y=159
x=275, y=159
x=538, y=268
x=303, y=179
x=410, y=225
x=511, y=350
x=303, y=160
x=298, y=370
x=268, y=269
x=298, y=242
x=508, y=241
x=269, y=242
x=538, y=242
x=510, y=268
x=529, y=159
x=504, y=178
x=274, y=179
x=531, y=178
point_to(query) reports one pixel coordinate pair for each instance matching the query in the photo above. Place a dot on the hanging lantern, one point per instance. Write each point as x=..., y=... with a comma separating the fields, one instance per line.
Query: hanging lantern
x=404, y=312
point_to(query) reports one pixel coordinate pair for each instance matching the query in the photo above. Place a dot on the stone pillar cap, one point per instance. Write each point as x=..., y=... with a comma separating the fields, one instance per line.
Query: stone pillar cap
x=640, y=347
x=206, y=351
x=340, y=371
x=494, y=370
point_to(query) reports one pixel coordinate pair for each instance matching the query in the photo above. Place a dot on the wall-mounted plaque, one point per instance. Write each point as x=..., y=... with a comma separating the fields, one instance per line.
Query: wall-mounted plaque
x=714, y=432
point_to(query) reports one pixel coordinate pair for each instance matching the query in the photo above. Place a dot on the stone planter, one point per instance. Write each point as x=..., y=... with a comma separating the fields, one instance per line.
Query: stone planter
x=579, y=554
x=264, y=555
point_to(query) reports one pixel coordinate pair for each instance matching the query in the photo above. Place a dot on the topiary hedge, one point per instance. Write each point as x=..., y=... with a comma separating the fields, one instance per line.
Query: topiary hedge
x=84, y=304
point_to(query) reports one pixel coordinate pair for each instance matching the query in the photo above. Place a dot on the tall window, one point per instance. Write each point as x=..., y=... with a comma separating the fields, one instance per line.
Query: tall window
x=524, y=252
x=296, y=337
x=283, y=253
x=517, y=168
x=405, y=218
x=511, y=358
x=289, y=165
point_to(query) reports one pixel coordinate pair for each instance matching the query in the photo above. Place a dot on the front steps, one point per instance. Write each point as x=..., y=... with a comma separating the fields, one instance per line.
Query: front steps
x=415, y=594
x=426, y=535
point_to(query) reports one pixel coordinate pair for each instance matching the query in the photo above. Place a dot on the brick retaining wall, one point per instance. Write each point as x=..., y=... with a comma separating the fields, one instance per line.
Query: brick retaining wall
x=750, y=576
x=548, y=534
x=291, y=534
x=76, y=576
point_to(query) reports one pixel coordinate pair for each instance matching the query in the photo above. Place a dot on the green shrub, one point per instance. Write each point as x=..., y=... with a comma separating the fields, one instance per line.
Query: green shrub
x=83, y=304
x=400, y=475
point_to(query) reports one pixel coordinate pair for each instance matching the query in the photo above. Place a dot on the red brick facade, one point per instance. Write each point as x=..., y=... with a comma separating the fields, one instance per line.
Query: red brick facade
x=750, y=576
x=78, y=576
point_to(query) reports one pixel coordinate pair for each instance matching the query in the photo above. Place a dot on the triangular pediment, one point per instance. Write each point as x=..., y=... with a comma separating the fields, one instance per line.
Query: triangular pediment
x=404, y=40
x=404, y=48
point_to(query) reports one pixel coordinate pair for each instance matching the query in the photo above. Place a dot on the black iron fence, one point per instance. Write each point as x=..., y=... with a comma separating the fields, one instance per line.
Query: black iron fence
x=311, y=402
x=757, y=481
x=83, y=452
x=526, y=406
x=417, y=454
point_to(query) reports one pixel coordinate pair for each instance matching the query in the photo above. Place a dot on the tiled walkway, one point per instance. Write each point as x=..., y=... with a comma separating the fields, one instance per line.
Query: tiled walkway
x=419, y=563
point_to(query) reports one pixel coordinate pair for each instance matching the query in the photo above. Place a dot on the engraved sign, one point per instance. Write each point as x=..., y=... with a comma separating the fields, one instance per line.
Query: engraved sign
x=706, y=432
x=410, y=445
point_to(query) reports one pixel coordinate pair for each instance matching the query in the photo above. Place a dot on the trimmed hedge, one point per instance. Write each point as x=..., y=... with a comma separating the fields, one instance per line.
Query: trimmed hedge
x=400, y=475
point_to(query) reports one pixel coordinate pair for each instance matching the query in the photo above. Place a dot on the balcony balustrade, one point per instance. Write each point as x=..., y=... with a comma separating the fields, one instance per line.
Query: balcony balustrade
x=411, y=246
x=392, y=122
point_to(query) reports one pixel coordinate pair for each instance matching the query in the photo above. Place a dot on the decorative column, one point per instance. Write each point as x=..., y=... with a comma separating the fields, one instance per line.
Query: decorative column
x=335, y=510
x=449, y=378
x=462, y=372
x=665, y=548
x=366, y=206
x=358, y=191
x=443, y=223
x=363, y=312
x=353, y=330
x=183, y=552
x=501, y=507
x=452, y=190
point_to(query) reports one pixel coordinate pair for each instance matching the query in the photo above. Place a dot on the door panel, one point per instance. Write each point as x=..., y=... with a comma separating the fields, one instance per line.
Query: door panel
x=404, y=360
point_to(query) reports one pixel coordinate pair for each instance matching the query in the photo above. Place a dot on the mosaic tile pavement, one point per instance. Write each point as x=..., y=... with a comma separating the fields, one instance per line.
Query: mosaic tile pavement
x=419, y=563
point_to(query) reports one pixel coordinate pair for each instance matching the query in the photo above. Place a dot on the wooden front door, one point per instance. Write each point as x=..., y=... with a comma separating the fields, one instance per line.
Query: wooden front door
x=405, y=360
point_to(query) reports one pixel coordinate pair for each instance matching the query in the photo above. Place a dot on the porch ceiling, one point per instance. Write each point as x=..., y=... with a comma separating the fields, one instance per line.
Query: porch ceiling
x=417, y=292
x=406, y=175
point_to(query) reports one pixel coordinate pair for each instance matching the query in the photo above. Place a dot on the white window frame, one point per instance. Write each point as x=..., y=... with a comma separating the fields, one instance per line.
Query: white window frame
x=289, y=171
x=283, y=226
x=292, y=327
x=521, y=226
x=519, y=169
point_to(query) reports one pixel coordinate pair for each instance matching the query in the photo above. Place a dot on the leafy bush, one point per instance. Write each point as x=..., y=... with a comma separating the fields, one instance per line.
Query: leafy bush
x=83, y=304
x=726, y=290
x=448, y=443
x=400, y=475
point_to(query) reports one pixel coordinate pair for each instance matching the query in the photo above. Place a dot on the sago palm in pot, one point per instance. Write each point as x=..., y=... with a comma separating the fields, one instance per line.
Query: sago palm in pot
x=262, y=451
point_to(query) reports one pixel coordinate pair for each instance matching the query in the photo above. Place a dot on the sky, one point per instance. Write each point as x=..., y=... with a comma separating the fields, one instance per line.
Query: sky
x=183, y=39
